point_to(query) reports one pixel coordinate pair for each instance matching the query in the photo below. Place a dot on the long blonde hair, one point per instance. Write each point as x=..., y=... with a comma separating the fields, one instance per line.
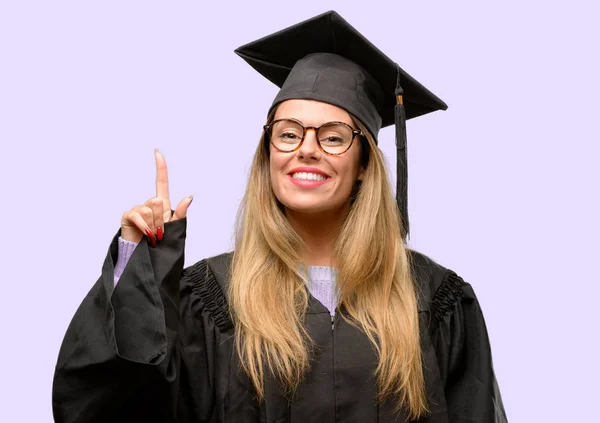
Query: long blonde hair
x=268, y=295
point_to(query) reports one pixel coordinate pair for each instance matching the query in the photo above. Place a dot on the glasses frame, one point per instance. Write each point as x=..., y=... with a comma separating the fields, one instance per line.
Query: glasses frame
x=305, y=129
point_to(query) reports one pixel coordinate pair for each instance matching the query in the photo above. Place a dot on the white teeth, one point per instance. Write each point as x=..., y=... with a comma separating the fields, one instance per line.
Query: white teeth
x=308, y=176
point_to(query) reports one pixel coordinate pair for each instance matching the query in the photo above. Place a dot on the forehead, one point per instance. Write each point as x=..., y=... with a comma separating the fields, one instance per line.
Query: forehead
x=312, y=112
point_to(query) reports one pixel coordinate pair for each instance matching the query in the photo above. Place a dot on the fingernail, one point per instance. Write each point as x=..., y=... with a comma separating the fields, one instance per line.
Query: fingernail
x=156, y=150
x=159, y=233
x=191, y=198
x=151, y=237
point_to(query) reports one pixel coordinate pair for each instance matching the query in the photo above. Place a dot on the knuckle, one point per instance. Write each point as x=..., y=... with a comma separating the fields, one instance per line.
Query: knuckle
x=145, y=212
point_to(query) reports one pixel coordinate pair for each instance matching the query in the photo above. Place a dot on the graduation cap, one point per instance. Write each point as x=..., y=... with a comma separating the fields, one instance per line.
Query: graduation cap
x=324, y=58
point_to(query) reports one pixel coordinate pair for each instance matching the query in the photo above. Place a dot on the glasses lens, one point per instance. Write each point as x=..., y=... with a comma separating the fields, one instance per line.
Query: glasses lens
x=286, y=134
x=335, y=138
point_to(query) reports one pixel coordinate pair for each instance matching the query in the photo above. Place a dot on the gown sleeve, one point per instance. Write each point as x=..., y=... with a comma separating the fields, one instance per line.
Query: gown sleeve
x=464, y=355
x=127, y=351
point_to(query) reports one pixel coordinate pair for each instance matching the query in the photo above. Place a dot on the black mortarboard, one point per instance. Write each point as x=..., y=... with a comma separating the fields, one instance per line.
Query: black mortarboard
x=324, y=58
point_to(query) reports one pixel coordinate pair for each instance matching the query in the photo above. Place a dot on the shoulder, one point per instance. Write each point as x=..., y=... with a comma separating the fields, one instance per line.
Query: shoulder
x=212, y=268
x=439, y=288
x=206, y=281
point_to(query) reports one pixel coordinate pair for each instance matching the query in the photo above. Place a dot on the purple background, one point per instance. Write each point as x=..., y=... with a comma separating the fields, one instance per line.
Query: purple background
x=502, y=185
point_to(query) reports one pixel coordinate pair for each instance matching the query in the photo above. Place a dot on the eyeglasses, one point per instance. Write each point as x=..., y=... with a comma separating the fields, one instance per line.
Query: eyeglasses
x=334, y=138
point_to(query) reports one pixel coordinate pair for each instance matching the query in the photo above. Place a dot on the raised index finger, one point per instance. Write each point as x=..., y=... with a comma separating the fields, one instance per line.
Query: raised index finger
x=162, y=177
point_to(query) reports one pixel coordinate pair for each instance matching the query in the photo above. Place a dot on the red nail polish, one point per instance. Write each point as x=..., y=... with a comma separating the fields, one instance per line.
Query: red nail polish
x=159, y=233
x=151, y=237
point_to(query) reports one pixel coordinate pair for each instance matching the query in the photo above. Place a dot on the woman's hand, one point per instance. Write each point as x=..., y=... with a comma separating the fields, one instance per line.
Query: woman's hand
x=150, y=218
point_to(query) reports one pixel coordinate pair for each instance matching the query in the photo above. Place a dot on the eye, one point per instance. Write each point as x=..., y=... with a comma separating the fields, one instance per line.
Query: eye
x=288, y=135
x=332, y=140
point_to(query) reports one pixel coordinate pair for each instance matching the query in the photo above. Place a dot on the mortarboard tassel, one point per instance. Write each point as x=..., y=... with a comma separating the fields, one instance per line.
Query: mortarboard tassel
x=401, y=159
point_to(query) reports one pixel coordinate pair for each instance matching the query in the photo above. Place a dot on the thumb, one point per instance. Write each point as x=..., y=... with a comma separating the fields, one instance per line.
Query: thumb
x=182, y=208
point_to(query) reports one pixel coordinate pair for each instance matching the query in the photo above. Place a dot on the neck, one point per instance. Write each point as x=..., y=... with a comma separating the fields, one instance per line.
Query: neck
x=319, y=232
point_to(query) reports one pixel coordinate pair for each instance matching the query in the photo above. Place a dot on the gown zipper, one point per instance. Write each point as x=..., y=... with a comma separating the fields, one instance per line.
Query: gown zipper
x=333, y=364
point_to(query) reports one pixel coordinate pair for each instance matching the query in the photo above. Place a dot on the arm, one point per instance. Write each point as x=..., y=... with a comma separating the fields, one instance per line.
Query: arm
x=122, y=356
x=465, y=357
x=125, y=249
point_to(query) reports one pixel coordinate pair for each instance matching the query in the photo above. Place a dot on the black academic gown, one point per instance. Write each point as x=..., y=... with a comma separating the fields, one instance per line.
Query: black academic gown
x=158, y=347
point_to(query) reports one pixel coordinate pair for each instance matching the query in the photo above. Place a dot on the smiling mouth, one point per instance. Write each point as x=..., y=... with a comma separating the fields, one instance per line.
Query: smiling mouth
x=308, y=176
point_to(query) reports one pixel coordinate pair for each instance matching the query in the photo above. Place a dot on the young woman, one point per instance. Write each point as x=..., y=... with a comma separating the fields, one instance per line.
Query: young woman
x=320, y=314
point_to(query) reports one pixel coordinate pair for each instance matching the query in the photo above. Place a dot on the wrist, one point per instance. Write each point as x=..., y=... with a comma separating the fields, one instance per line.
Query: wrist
x=131, y=236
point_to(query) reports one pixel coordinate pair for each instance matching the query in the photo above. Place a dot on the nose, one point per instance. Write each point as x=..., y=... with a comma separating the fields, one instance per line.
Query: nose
x=310, y=146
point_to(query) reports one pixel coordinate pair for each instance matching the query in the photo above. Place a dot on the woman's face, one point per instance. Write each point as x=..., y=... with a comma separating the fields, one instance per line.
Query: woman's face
x=292, y=189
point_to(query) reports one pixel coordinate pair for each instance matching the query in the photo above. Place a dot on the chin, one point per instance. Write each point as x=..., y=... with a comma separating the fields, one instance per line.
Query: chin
x=310, y=207
x=305, y=209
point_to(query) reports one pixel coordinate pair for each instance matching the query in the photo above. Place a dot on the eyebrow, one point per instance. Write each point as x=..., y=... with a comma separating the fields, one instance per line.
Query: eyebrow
x=351, y=123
